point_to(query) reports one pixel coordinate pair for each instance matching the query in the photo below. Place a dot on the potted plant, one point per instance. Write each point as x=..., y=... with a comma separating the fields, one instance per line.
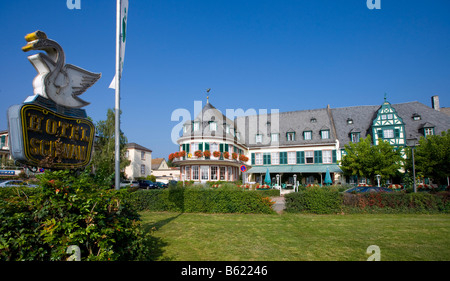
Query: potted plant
x=234, y=155
x=243, y=158
x=207, y=153
x=216, y=153
x=226, y=155
x=171, y=156
x=198, y=153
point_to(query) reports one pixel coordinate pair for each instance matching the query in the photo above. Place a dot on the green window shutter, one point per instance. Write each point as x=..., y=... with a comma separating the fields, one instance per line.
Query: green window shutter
x=188, y=146
x=226, y=147
x=266, y=158
x=300, y=157
x=253, y=158
x=206, y=145
x=2, y=141
x=283, y=157
x=396, y=133
x=221, y=147
x=380, y=134
x=200, y=146
x=334, y=156
x=318, y=156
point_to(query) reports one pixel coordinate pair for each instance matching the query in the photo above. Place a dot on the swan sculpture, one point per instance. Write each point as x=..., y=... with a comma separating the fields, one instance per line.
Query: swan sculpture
x=57, y=81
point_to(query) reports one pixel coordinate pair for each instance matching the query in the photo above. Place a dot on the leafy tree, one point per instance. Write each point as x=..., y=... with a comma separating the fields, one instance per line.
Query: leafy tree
x=103, y=159
x=364, y=159
x=432, y=157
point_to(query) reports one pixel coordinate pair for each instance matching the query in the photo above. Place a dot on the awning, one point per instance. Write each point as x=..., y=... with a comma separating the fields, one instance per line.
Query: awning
x=316, y=168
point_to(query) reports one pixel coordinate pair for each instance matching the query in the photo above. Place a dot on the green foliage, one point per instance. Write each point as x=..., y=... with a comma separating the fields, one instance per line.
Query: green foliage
x=367, y=160
x=398, y=202
x=316, y=200
x=432, y=157
x=199, y=199
x=103, y=158
x=69, y=210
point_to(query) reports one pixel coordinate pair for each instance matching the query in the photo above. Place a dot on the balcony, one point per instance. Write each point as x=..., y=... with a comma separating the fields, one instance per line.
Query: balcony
x=224, y=157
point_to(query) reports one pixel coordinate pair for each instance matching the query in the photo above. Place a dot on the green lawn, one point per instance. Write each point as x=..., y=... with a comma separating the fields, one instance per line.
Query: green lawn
x=292, y=237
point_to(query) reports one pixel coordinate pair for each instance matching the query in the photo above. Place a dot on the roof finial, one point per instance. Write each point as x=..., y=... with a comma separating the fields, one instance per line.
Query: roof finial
x=207, y=97
x=385, y=96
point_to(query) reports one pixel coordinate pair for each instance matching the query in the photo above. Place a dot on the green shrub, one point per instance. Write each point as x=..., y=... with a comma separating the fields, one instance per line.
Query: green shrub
x=314, y=200
x=201, y=200
x=70, y=210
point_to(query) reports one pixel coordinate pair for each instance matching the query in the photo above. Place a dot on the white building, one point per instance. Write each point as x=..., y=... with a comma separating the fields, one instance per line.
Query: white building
x=141, y=161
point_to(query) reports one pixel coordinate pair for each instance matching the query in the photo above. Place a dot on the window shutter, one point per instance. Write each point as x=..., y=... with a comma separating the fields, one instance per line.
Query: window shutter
x=300, y=157
x=221, y=147
x=283, y=157
x=396, y=133
x=200, y=146
x=226, y=147
x=188, y=146
x=206, y=145
x=253, y=158
x=380, y=134
x=334, y=156
x=318, y=156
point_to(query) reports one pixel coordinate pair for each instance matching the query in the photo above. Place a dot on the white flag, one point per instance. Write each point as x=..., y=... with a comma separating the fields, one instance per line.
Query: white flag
x=123, y=38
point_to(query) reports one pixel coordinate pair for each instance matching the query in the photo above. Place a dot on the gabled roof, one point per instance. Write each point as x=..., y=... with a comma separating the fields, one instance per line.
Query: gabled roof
x=156, y=163
x=133, y=145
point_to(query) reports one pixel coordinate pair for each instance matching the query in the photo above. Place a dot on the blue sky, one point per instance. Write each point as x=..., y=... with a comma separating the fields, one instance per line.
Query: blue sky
x=287, y=55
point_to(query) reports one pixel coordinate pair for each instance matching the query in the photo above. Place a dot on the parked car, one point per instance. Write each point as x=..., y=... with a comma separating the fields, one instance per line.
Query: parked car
x=129, y=183
x=362, y=189
x=16, y=183
x=161, y=185
x=147, y=184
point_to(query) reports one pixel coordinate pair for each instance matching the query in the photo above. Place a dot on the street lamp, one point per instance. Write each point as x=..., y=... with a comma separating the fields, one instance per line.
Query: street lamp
x=295, y=182
x=378, y=179
x=412, y=142
x=278, y=180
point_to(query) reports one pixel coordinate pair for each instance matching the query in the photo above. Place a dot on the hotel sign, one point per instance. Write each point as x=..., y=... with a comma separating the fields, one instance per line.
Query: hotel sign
x=50, y=130
x=51, y=140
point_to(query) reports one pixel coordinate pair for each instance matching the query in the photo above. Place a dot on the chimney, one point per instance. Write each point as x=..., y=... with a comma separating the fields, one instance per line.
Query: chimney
x=435, y=103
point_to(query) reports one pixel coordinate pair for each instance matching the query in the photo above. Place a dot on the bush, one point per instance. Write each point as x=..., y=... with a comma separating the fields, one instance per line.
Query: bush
x=198, y=199
x=314, y=200
x=69, y=210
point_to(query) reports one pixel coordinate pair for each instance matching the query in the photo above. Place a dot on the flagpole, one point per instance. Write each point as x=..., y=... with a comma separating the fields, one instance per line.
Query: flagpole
x=117, y=104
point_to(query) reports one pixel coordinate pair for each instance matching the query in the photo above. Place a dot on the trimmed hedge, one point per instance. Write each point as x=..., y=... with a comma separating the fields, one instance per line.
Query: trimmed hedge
x=314, y=200
x=326, y=201
x=198, y=200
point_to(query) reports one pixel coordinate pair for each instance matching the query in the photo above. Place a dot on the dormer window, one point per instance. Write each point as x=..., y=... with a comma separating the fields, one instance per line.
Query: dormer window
x=313, y=120
x=196, y=126
x=258, y=138
x=428, y=131
x=290, y=136
x=212, y=126
x=349, y=121
x=307, y=135
x=325, y=134
x=416, y=117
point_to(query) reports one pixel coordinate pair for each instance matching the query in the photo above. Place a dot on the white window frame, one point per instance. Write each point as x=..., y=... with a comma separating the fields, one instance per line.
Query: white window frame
x=275, y=158
x=142, y=169
x=258, y=138
x=325, y=134
x=307, y=135
x=195, y=172
x=142, y=155
x=204, y=172
x=187, y=173
x=309, y=154
x=290, y=136
x=275, y=137
x=292, y=158
x=258, y=158
x=388, y=133
x=213, y=126
x=196, y=126
x=214, y=173
x=327, y=157
x=428, y=131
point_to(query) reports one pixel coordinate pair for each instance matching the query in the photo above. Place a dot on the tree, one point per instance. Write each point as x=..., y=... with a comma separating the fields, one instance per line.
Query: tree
x=367, y=160
x=103, y=158
x=432, y=157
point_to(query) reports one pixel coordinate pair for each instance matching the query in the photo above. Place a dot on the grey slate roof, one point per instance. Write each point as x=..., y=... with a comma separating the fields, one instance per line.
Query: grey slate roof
x=284, y=122
x=137, y=146
x=363, y=117
x=334, y=120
